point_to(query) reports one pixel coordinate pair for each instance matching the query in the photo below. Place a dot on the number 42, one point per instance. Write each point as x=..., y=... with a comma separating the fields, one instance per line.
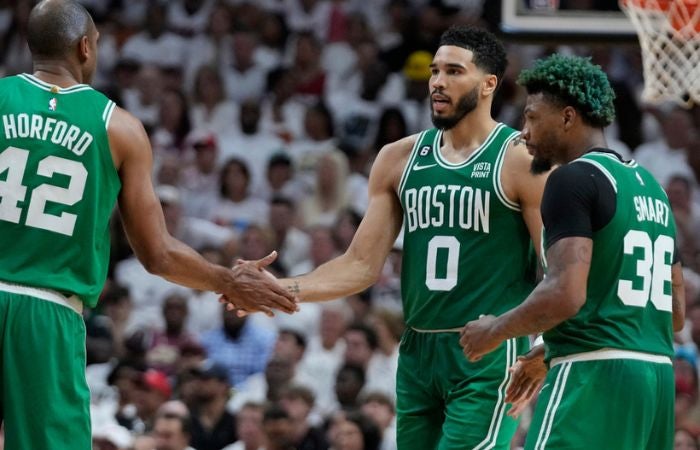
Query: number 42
x=14, y=161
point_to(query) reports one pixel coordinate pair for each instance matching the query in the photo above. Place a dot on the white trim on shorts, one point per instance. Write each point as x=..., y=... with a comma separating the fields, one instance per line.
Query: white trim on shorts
x=72, y=302
x=610, y=353
x=444, y=330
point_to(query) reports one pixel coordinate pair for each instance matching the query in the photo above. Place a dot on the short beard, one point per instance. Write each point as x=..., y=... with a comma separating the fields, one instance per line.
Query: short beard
x=540, y=165
x=466, y=104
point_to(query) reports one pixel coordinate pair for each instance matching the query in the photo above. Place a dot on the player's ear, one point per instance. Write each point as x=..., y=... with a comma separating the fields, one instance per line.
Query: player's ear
x=489, y=85
x=569, y=115
x=83, y=48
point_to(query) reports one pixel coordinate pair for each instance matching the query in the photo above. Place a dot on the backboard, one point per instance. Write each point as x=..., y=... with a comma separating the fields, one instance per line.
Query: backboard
x=572, y=19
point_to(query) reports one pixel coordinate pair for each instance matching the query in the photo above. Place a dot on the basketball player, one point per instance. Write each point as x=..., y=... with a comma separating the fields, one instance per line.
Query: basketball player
x=613, y=293
x=469, y=209
x=67, y=153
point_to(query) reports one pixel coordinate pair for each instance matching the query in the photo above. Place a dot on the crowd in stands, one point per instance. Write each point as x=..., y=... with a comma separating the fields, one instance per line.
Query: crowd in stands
x=264, y=117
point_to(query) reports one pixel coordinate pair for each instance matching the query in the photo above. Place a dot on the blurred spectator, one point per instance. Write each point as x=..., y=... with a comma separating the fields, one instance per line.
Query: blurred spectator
x=211, y=110
x=392, y=127
x=143, y=99
x=244, y=77
x=330, y=194
x=111, y=437
x=249, y=428
x=273, y=40
x=195, y=232
x=298, y=402
x=152, y=390
x=345, y=228
x=125, y=379
x=281, y=180
x=212, y=426
x=172, y=432
x=282, y=113
x=199, y=181
x=324, y=354
x=173, y=123
x=210, y=48
x=278, y=429
x=687, y=217
x=361, y=342
x=381, y=369
x=357, y=432
x=189, y=17
x=239, y=345
x=164, y=346
x=318, y=138
x=380, y=409
x=105, y=328
x=666, y=156
x=253, y=145
x=348, y=385
x=268, y=386
x=155, y=45
x=204, y=308
x=144, y=442
x=407, y=91
x=15, y=51
x=305, y=15
x=306, y=66
x=236, y=206
x=291, y=243
x=684, y=440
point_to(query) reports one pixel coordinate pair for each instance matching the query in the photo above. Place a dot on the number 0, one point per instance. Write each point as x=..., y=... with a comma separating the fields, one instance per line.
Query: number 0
x=452, y=245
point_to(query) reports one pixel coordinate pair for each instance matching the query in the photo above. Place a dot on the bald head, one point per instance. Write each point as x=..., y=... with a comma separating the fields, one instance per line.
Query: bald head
x=56, y=26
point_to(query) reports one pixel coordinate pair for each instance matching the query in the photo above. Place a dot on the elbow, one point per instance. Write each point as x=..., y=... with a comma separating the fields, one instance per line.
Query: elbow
x=678, y=321
x=566, y=303
x=155, y=261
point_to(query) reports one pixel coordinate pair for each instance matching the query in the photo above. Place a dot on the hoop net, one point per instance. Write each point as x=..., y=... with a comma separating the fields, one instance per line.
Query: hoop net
x=669, y=35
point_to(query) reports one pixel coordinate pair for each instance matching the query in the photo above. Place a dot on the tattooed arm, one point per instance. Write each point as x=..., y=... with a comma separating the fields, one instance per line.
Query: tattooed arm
x=678, y=296
x=360, y=266
x=558, y=297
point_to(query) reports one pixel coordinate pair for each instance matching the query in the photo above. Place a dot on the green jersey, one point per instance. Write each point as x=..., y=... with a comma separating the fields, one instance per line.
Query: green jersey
x=58, y=186
x=466, y=249
x=628, y=299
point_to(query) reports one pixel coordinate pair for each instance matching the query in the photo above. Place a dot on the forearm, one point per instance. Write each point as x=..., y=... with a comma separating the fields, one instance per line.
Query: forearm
x=678, y=297
x=337, y=278
x=545, y=308
x=180, y=264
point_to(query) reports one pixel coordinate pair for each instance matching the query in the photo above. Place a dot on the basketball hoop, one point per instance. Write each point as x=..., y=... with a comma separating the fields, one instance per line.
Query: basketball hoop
x=669, y=35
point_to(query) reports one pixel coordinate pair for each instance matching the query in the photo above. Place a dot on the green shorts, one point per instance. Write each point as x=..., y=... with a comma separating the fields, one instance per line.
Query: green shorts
x=44, y=398
x=445, y=402
x=605, y=404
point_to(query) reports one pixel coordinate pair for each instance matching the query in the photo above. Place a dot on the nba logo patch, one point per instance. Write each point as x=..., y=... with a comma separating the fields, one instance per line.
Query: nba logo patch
x=52, y=104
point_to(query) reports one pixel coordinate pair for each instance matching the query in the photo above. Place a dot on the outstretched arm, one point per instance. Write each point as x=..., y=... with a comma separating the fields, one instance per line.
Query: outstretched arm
x=158, y=251
x=360, y=266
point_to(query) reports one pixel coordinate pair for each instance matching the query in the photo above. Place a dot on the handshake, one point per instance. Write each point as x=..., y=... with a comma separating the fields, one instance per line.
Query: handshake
x=250, y=288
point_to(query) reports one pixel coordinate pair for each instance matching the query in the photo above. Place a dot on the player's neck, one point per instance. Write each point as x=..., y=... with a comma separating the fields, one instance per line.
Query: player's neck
x=470, y=132
x=58, y=73
x=590, y=139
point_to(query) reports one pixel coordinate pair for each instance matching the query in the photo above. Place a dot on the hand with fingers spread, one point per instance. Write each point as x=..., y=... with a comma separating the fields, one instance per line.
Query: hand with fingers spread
x=254, y=289
x=478, y=338
x=527, y=376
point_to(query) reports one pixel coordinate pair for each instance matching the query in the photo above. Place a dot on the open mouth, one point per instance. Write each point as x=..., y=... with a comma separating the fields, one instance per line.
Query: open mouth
x=440, y=102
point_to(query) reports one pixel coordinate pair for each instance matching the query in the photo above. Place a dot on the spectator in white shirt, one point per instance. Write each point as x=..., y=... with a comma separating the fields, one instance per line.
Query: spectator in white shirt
x=244, y=77
x=155, y=45
x=236, y=207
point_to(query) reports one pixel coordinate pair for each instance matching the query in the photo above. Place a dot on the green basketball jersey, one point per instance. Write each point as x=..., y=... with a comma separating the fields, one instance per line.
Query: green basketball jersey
x=466, y=248
x=628, y=301
x=58, y=186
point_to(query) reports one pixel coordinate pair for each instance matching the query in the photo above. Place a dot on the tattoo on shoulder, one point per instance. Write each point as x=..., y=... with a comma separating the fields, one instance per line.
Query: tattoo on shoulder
x=294, y=288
